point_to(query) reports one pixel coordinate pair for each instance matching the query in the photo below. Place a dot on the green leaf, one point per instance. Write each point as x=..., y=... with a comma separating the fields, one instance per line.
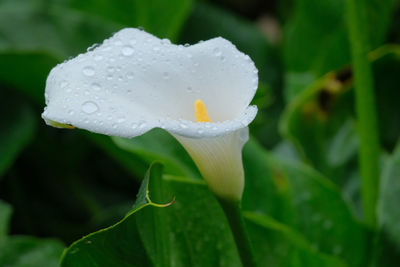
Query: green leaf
x=279, y=245
x=303, y=199
x=191, y=232
x=162, y=18
x=18, y=124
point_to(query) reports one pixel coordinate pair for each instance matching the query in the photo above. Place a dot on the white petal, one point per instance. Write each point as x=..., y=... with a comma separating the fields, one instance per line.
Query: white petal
x=134, y=82
x=219, y=160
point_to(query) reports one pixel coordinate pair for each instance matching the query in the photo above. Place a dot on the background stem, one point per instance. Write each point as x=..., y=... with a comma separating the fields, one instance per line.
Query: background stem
x=365, y=108
x=235, y=219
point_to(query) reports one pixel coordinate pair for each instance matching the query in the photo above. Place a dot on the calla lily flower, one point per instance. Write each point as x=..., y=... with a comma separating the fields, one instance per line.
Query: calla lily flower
x=134, y=82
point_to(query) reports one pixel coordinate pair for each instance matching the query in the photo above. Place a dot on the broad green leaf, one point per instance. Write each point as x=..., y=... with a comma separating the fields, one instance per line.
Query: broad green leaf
x=162, y=18
x=300, y=197
x=18, y=126
x=161, y=146
x=191, y=232
x=279, y=245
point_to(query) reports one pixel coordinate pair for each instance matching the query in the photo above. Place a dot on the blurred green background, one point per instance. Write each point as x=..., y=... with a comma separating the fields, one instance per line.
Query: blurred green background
x=62, y=184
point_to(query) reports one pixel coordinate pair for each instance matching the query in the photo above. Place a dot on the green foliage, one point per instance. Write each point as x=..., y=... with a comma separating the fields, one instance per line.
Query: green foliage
x=302, y=197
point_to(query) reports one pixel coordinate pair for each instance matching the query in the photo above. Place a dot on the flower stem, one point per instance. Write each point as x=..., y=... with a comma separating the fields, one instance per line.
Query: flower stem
x=234, y=216
x=365, y=108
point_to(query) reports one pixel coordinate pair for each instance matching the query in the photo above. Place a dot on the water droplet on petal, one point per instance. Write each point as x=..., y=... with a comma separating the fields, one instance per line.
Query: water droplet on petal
x=217, y=52
x=189, y=89
x=127, y=50
x=89, y=107
x=129, y=75
x=63, y=84
x=88, y=71
x=121, y=120
x=71, y=112
x=96, y=86
x=166, y=75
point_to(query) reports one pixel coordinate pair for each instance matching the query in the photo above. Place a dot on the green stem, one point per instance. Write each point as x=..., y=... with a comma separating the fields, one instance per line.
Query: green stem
x=235, y=219
x=365, y=108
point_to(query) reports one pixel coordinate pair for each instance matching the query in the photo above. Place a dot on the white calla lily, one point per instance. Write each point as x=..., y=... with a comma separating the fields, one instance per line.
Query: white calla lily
x=134, y=82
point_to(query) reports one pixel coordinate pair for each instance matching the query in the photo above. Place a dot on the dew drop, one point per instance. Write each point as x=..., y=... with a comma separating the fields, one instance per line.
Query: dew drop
x=89, y=107
x=127, y=50
x=88, y=71
x=166, y=75
x=63, y=84
x=217, y=52
x=129, y=75
x=71, y=112
x=121, y=120
x=96, y=86
x=189, y=89
x=183, y=125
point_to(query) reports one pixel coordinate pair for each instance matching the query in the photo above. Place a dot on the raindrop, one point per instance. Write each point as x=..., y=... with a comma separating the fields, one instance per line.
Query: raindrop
x=96, y=86
x=166, y=75
x=183, y=125
x=156, y=48
x=110, y=69
x=200, y=131
x=71, y=112
x=134, y=126
x=129, y=75
x=189, y=89
x=186, y=45
x=217, y=52
x=89, y=107
x=121, y=120
x=88, y=71
x=165, y=42
x=127, y=50
x=142, y=125
x=63, y=84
